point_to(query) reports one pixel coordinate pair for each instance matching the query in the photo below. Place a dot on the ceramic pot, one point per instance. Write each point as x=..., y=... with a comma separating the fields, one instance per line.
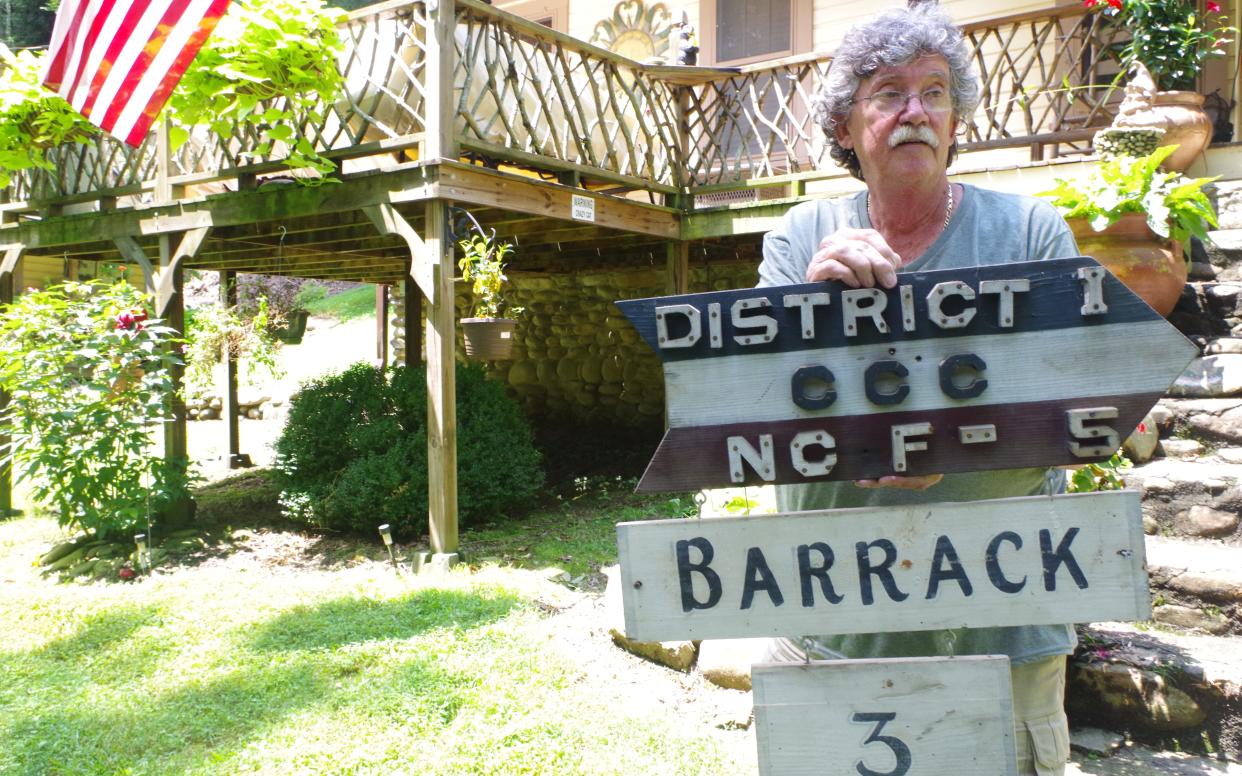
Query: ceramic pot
x=488, y=339
x=1185, y=124
x=1149, y=265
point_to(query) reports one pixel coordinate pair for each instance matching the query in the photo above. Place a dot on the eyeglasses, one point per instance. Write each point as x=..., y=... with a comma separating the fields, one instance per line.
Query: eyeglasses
x=935, y=100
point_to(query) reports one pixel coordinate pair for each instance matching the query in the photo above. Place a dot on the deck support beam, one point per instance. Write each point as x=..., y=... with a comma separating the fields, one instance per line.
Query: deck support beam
x=232, y=416
x=677, y=268
x=441, y=384
x=8, y=289
x=165, y=282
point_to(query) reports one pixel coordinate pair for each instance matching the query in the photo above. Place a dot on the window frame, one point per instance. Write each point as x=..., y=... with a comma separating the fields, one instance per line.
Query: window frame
x=800, y=32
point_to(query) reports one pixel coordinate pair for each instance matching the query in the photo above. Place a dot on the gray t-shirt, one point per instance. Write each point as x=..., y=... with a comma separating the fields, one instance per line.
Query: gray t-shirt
x=988, y=227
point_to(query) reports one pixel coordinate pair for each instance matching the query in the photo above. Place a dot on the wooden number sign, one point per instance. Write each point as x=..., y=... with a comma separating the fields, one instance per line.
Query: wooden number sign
x=1022, y=561
x=910, y=717
x=1029, y=364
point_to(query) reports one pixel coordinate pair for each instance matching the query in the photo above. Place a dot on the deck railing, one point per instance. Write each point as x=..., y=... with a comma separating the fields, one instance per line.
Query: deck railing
x=527, y=96
x=1047, y=78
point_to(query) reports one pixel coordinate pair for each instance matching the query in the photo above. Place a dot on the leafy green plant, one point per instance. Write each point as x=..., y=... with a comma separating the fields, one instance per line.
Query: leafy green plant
x=1176, y=206
x=264, y=73
x=266, y=69
x=1170, y=37
x=213, y=328
x=1100, y=476
x=32, y=119
x=482, y=264
x=90, y=376
x=353, y=453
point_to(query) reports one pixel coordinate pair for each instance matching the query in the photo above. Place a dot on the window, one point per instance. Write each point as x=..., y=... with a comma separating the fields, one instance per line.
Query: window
x=549, y=13
x=743, y=31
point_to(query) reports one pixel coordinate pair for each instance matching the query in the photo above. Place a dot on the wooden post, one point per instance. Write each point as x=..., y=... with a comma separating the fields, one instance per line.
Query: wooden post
x=228, y=300
x=441, y=50
x=412, y=317
x=441, y=385
x=7, y=292
x=677, y=267
x=163, y=163
x=381, y=325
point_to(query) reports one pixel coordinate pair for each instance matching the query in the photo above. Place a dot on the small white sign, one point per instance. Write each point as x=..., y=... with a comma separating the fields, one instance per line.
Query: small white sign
x=582, y=208
x=909, y=717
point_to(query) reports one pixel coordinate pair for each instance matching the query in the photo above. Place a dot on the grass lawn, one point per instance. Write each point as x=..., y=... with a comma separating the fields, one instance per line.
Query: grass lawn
x=274, y=651
x=347, y=305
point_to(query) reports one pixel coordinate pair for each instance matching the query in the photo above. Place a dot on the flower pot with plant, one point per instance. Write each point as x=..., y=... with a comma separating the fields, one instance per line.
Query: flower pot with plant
x=1169, y=42
x=487, y=335
x=1136, y=219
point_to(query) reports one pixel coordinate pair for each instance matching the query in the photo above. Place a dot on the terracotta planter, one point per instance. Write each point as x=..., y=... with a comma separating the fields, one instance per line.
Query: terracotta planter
x=1147, y=264
x=1185, y=124
x=488, y=339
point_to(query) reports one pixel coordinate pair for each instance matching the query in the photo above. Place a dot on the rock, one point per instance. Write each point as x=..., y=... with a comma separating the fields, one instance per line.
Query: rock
x=1200, y=270
x=1101, y=743
x=1230, y=454
x=1206, y=570
x=1191, y=618
x=1181, y=448
x=1140, y=446
x=1210, y=376
x=1150, y=526
x=1205, y=521
x=1135, y=693
x=1163, y=417
x=726, y=662
x=1223, y=345
x=678, y=655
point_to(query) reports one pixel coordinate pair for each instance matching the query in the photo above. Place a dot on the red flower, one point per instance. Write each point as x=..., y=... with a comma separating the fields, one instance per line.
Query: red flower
x=126, y=573
x=131, y=320
x=1213, y=7
x=1115, y=4
x=1091, y=3
x=1142, y=428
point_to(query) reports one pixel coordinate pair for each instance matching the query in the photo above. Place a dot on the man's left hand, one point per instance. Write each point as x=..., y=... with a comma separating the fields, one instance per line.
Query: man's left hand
x=922, y=482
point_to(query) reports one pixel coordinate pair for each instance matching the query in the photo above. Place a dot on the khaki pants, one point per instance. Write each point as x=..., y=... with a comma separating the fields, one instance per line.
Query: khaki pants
x=1041, y=731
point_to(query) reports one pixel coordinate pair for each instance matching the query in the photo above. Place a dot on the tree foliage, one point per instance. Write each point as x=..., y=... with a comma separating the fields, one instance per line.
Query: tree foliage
x=353, y=453
x=90, y=376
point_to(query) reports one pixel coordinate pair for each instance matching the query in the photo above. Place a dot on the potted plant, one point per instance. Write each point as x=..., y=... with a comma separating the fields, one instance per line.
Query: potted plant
x=488, y=336
x=1135, y=218
x=1169, y=42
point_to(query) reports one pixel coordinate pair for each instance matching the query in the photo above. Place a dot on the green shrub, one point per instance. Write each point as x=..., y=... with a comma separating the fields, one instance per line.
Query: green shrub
x=353, y=453
x=90, y=378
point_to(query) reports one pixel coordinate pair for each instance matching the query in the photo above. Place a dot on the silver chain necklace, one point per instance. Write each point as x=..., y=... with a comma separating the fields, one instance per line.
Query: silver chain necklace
x=948, y=210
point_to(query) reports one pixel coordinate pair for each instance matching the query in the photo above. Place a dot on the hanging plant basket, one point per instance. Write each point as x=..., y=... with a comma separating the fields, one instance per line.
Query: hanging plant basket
x=294, y=329
x=488, y=339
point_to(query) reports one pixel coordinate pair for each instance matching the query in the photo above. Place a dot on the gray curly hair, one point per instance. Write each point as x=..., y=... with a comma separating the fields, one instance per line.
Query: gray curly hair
x=892, y=39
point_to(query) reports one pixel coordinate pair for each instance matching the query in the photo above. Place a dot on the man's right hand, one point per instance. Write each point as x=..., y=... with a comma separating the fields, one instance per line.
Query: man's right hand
x=860, y=258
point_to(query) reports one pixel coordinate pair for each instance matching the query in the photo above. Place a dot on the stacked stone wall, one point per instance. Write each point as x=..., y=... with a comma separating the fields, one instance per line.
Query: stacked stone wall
x=575, y=355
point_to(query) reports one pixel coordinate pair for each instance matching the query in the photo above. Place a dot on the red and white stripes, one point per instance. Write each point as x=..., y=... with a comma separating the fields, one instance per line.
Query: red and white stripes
x=117, y=62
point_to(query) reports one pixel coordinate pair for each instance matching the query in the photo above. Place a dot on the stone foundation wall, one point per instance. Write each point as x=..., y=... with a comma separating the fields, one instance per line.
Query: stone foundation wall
x=575, y=355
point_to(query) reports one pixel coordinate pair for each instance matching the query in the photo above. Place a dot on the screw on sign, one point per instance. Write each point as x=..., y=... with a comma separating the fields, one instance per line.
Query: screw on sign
x=1016, y=365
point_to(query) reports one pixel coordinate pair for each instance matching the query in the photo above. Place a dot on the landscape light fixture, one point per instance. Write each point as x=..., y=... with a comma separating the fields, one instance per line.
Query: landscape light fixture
x=385, y=532
x=140, y=541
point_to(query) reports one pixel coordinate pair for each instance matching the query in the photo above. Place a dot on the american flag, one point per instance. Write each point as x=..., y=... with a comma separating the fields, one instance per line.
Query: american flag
x=117, y=61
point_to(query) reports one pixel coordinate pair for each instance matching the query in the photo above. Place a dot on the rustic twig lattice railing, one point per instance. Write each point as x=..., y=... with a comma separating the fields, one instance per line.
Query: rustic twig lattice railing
x=528, y=96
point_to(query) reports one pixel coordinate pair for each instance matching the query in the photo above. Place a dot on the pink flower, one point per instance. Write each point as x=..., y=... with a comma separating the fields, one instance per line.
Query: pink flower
x=1091, y=3
x=131, y=320
x=1213, y=7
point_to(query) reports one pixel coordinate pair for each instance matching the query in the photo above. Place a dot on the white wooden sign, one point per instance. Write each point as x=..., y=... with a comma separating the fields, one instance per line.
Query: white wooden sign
x=1023, y=561
x=911, y=717
x=1000, y=367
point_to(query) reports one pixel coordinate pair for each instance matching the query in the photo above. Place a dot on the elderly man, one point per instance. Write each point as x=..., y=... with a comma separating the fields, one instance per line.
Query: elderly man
x=898, y=89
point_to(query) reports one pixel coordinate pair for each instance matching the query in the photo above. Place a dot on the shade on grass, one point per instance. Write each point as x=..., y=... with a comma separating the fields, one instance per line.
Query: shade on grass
x=227, y=667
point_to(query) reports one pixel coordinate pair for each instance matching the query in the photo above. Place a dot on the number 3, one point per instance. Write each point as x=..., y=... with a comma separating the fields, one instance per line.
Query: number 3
x=900, y=751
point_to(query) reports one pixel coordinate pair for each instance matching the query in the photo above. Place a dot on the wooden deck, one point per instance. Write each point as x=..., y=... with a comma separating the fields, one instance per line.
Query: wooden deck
x=456, y=104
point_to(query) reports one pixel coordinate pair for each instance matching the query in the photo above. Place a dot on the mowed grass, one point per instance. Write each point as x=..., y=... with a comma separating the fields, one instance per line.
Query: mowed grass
x=347, y=305
x=229, y=666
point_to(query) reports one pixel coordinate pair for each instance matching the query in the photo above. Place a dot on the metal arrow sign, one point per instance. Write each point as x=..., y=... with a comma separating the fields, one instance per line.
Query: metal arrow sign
x=1027, y=364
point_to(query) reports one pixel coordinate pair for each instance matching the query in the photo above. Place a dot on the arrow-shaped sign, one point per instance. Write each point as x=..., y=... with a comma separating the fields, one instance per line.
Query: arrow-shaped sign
x=1027, y=364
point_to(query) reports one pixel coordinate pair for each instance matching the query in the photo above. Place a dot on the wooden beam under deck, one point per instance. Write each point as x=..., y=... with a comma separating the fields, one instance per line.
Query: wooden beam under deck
x=322, y=232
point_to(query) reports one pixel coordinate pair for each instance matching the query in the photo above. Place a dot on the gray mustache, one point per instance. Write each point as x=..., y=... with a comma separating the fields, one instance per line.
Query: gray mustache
x=911, y=133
